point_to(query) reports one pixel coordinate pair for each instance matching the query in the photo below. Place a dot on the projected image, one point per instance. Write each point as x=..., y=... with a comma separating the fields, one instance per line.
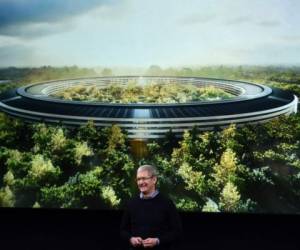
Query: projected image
x=219, y=121
x=153, y=93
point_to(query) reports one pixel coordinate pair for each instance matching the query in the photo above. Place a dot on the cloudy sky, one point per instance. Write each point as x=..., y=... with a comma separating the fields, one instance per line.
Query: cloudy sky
x=146, y=32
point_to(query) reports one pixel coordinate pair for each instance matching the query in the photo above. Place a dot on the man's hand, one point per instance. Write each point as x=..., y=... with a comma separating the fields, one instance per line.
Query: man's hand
x=150, y=242
x=136, y=241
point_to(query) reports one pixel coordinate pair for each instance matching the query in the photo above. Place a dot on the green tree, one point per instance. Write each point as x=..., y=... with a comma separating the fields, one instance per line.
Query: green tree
x=195, y=180
x=42, y=170
x=210, y=206
x=40, y=173
x=7, y=198
x=81, y=191
x=226, y=169
x=154, y=70
x=94, y=136
x=18, y=163
x=107, y=72
x=80, y=150
x=14, y=133
x=230, y=198
x=186, y=204
x=109, y=195
x=116, y=139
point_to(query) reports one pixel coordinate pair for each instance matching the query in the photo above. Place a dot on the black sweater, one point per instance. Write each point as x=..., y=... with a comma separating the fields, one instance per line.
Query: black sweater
x=155, y=217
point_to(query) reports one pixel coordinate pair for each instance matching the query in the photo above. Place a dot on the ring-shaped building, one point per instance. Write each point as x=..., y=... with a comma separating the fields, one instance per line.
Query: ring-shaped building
x=252, y=103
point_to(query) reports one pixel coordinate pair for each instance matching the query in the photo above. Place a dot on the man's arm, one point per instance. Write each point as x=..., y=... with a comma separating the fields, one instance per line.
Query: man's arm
x=175, y=227
x=125, y=231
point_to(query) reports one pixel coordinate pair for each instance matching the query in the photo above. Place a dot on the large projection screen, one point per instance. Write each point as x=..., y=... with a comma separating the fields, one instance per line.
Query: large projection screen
x=206, y=91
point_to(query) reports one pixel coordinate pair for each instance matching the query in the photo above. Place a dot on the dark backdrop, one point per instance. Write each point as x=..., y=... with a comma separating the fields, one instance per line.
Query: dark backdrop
x=98, y=229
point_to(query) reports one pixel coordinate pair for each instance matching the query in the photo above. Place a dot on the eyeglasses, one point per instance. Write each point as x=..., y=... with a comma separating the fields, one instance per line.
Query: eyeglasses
x=143, y=178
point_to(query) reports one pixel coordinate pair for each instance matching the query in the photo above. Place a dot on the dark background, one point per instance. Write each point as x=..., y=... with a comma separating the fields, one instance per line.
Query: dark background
x=98, y=229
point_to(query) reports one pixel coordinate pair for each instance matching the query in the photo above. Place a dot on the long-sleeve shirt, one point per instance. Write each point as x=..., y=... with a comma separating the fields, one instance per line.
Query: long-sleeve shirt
x=156, y=218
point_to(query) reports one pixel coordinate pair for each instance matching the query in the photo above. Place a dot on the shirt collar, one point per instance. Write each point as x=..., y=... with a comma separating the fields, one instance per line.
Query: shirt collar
x=151, y=196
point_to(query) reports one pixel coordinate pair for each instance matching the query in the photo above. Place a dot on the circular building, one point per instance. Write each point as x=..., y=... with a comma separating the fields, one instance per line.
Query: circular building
x=249, y=103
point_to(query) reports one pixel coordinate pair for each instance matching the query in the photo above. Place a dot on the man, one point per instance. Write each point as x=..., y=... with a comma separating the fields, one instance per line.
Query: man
x=150, y=220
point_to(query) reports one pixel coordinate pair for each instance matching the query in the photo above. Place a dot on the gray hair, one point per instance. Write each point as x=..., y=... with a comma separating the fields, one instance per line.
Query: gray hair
x=150, y=168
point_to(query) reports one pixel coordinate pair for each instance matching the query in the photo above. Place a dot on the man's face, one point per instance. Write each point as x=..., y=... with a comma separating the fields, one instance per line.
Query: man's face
x=146, y=182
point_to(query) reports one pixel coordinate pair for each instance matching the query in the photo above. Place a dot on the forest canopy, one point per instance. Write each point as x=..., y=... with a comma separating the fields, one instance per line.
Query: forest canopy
x=253, y=168
x=150, y=93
